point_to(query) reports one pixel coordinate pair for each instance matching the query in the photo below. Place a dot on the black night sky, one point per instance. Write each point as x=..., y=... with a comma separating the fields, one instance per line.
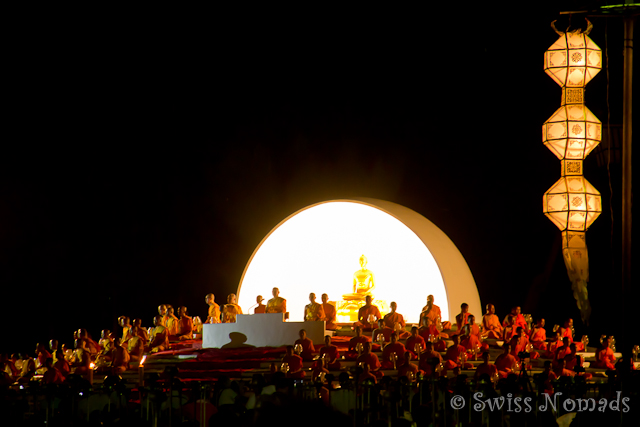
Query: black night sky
x=144, y=167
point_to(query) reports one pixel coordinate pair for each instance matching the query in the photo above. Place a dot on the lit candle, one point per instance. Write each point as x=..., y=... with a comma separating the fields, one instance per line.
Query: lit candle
x=91, y=366
x=141, y=372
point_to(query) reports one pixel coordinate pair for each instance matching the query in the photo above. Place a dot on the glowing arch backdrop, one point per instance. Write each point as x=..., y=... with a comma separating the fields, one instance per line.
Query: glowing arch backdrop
x=317, y=248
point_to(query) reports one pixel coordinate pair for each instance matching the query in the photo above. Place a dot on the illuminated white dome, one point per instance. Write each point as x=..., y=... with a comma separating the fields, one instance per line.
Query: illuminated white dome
x=317, y=249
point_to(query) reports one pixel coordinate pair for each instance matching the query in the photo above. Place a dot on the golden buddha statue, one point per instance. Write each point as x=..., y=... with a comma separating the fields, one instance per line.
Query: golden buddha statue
x=363, y=282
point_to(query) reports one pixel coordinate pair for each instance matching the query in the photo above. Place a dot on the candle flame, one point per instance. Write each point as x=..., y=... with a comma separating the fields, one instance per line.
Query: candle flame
x=143, y=359
x=92, y=365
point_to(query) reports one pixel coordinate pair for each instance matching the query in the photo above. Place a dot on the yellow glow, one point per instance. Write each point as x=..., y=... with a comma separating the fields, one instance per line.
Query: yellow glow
x=318, y=250
x=143, y=359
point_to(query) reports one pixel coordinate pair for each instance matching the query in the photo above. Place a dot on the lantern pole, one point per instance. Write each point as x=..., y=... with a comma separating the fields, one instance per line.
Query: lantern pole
x=626, y=156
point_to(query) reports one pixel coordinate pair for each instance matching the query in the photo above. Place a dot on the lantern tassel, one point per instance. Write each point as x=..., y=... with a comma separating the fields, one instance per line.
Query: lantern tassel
x=577, y=262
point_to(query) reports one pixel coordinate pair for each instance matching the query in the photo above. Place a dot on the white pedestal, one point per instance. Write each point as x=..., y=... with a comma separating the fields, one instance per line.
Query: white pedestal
x=259, y=330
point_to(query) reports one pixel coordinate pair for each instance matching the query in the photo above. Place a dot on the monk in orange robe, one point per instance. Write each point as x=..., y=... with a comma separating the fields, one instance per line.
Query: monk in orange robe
x=519, y=344
x=561, y=351
x=260, y=309
x=61, y=364
x=453, y=355
x=352, y=353
x=428, y=358
x=415, y=340
x=470, y=338
x=518, y=319
x=370, y=359
x=159, y=340
x=485, y=367
x=42, y=354
x=393, y=347
x=605, y=358
x=329, y=313
x=162, y=311
x=135, y=345
x=462, y=318
x=431, y=311
x=185, y=325
x=382, y=333
x=121, y=359
x=408, y=369
x=391, y=318
x=295, y=364
x=318, y=368
x=505, y=362
x=52, y=375
x=276, y=304
x=572, y=360
x=367, y=374
x=509, y=330
x=313, y=312
x=213, y=315
x=429, y=332
x=368, y=309
x=331, y=353
x=230, y=310
x=491, y=324
x=307, y=346
x=142, y=332
x=171, y=321
x=567, y=331
x=539, y=336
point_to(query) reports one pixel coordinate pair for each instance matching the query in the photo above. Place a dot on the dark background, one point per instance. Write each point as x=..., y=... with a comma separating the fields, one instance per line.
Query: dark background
x=143, y=166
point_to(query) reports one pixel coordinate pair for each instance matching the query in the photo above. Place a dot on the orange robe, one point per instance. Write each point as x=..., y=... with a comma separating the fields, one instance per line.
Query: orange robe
x=363, y=316
x=389, y=349
x=403, y=371
x=307, y=348
x=505, y=364
x=276, y=305
x=425, y=362
x=185, y=327
x=229, y=313
x=385, y=332
x=332, y=356
x=451, y=357
x=472, y=340
x=539, y=338
x=352, y=354
x=172, y=324
x=411, y=344
x=605, y=359
x=439, y=345
x=159, y=339
x=313, y=312
x=566, y=332
x=392, y=318
x=260, y=309
x=329, y=315
x=485, y=368
x=214, y=314
x=374, y=363
x=295, y=366
x=461, y=320
x=492, y=326
x=434, y=314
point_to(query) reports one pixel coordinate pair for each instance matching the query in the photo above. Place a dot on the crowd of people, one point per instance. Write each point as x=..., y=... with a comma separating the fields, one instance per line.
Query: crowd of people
x=425, y=343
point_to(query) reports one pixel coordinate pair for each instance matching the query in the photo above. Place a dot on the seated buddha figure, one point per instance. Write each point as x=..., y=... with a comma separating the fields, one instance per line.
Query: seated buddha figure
x=363, y=282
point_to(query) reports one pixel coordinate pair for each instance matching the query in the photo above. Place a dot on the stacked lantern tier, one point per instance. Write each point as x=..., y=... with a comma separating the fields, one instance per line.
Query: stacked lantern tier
x=571, y=133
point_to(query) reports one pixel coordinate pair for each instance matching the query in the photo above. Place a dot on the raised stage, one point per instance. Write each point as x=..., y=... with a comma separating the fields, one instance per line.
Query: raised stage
x=259, y=330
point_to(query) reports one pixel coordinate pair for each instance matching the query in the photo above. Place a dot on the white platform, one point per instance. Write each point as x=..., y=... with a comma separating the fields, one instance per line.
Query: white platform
x=259, y=330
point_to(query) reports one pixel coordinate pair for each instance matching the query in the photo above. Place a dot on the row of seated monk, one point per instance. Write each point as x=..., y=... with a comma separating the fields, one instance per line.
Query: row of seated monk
x=112, y=354
x=427, y=346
